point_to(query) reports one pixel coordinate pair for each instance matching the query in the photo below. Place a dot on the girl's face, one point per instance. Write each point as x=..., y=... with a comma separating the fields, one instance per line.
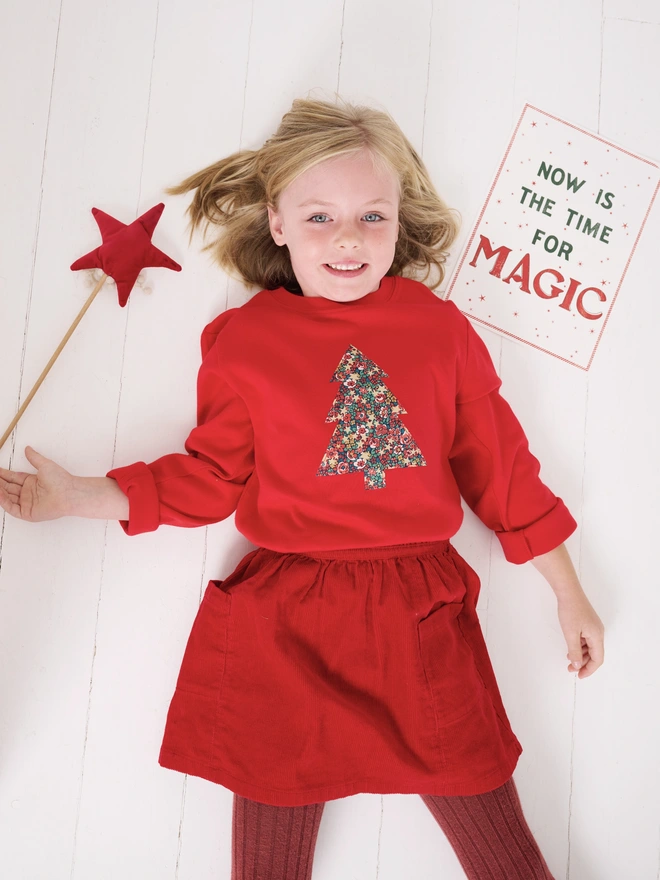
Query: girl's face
x=339, y=212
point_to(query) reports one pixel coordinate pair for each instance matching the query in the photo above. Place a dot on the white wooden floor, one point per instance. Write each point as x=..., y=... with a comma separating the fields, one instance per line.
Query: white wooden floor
x=105, y=104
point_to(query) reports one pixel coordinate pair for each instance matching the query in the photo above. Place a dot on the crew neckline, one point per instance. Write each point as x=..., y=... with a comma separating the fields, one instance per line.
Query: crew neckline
x=311, y=304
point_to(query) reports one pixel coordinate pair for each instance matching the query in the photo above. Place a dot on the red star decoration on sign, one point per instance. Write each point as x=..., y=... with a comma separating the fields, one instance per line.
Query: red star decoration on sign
x=126, y=250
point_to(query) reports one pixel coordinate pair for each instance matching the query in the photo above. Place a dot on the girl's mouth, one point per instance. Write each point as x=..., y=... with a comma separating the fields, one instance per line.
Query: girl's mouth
x=346, y=273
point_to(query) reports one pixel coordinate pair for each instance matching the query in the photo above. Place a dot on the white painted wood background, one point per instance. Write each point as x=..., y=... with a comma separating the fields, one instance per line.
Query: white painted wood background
x=104, y=104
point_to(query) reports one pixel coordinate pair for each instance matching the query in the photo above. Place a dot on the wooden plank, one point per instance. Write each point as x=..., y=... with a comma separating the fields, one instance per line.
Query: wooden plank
x=615, y=756
x=643, y=11
x=187, y=113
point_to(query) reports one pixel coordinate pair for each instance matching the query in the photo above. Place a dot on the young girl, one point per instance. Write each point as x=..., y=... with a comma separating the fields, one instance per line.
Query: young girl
x=342, y=413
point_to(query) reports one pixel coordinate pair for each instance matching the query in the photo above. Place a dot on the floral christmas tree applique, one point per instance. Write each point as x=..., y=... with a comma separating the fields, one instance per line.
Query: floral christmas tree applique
x=369, y=436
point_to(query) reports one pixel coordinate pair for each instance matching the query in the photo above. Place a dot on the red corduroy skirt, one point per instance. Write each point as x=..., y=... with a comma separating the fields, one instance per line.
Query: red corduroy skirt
x=309, y=677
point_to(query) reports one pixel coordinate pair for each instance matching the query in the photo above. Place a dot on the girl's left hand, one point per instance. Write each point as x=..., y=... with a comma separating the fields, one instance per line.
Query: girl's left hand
x=584, y=633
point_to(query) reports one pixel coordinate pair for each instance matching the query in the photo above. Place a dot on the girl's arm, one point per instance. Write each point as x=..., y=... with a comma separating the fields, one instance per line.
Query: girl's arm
x=97, y=498
x=53, y=492
x=499, y=478
x=581, y=626
x=557, y=568
x=494, y=469
x=197, y=487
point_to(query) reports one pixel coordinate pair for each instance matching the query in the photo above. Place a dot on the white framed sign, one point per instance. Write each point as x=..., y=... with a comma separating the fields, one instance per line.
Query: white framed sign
x=550, y=249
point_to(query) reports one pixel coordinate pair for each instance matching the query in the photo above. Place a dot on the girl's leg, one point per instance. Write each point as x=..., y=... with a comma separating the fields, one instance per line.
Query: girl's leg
x=273, y=843
x=490, y=835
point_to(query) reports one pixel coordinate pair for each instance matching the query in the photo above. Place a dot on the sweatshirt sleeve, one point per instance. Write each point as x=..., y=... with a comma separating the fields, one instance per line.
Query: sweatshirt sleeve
x=495, y=471
x=204, y=484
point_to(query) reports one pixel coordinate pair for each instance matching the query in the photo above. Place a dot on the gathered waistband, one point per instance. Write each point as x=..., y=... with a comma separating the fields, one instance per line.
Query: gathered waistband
x=390, y=550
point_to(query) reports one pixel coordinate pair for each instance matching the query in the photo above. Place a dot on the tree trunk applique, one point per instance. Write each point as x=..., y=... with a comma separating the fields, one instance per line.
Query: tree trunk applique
x=369, y=436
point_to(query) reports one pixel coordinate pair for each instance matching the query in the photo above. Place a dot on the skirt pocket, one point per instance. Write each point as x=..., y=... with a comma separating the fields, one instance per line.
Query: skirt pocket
x=468, y=730
x=205, y=657
x=192, y=717
x=448, y=664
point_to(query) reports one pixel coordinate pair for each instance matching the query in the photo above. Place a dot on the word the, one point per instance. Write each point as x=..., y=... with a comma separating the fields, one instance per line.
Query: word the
x=537, y=202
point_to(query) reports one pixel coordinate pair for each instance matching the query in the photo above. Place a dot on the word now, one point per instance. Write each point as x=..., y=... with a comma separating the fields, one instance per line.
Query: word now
x=557, y=176
x=521, y=273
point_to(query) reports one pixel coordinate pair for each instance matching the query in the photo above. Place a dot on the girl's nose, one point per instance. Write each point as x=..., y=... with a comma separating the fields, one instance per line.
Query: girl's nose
x=348, y=233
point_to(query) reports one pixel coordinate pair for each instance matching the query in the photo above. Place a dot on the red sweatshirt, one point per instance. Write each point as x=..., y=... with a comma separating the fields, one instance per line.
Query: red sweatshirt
x=329, y=425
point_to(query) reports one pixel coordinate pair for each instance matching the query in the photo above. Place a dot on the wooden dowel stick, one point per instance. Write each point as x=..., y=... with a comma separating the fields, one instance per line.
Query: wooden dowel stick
x=52, y=361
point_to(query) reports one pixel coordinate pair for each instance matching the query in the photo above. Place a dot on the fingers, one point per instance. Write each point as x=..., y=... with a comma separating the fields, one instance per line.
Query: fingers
x=588, y=669
x=596, y=647
x=7, y=503
x=11, y=484
x=17, y=477
x=591, y=661
x=11, y=492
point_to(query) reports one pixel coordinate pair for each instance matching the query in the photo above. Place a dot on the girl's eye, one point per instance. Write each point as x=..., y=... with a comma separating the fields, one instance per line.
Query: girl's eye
x=370, y=214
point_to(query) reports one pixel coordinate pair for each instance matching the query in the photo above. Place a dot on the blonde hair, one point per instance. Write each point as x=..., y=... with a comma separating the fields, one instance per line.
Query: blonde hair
x=233, y=193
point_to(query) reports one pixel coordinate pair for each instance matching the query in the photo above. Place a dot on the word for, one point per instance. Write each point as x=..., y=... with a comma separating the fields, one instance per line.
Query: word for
x=521, y=274
x=551, y=244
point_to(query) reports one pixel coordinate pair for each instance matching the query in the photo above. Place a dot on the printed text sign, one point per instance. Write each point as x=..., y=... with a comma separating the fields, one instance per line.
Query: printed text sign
x=550, y=249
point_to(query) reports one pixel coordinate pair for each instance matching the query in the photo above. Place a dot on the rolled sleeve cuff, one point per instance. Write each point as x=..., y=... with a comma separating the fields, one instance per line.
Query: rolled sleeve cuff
x=137, y=482
x=540, y=537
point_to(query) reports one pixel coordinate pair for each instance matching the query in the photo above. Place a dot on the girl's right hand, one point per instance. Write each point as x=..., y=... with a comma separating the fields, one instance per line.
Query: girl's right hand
x=36, y=497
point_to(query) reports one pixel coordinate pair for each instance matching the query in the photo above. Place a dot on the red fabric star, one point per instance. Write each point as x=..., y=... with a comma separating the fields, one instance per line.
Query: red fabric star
x=126, y=250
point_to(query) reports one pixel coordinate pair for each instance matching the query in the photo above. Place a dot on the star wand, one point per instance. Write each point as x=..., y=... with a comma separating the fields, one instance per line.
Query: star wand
x=125, y=251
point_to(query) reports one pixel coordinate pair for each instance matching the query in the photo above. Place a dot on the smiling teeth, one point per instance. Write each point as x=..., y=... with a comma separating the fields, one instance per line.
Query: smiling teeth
x=356, y=266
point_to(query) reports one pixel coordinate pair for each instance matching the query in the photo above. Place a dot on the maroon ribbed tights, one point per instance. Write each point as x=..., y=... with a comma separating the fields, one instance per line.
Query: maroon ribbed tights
x=488, y=833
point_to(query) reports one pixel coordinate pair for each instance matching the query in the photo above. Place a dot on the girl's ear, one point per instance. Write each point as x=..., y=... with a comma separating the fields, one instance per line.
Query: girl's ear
x=275, y=224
